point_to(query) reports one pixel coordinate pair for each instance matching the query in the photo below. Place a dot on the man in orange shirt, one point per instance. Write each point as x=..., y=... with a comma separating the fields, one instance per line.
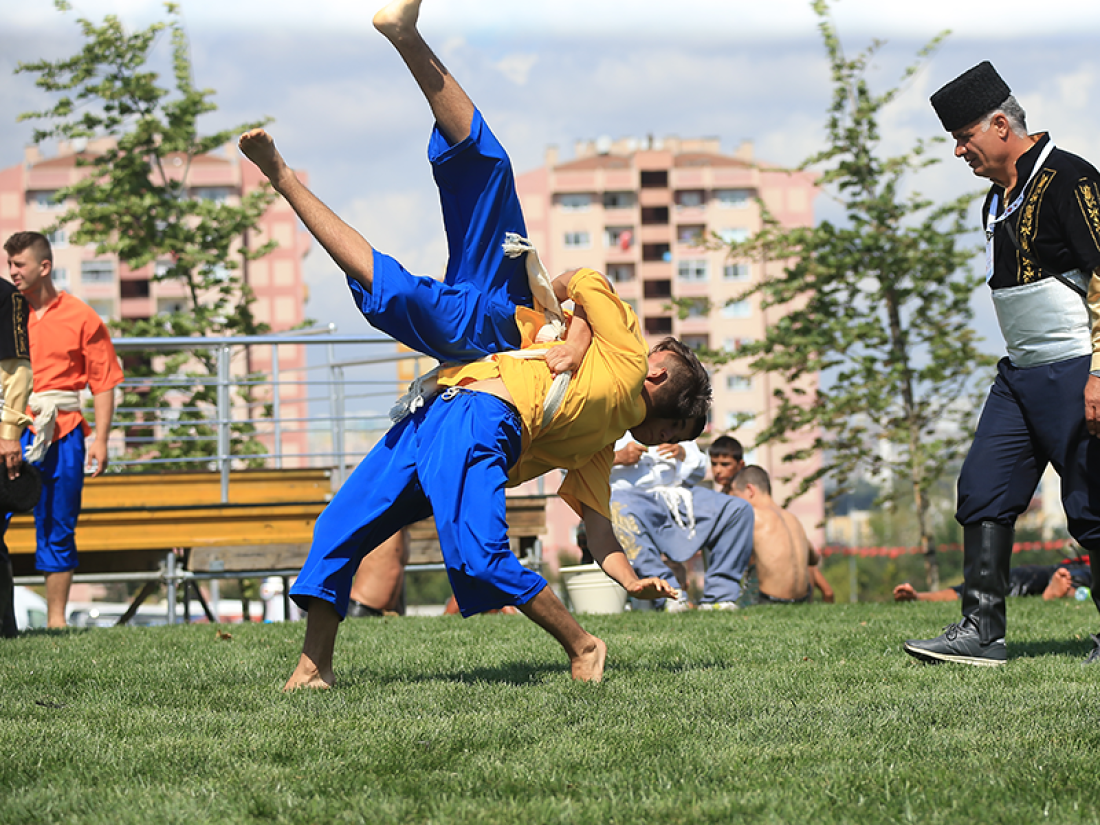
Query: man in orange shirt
x=70, y=350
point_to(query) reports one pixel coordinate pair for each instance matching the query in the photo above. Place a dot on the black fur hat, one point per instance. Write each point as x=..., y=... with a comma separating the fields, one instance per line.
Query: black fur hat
x=970, y=96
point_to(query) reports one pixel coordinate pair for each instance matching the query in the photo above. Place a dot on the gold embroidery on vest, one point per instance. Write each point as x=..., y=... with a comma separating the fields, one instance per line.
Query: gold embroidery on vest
x=1090, y=207
x=1028, y=227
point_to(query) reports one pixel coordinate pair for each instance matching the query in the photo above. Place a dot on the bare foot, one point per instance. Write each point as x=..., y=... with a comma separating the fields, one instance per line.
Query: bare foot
x=258, y=146
x=397, y=19
x=1061, y=583
x=307, y=675
x=588, y=666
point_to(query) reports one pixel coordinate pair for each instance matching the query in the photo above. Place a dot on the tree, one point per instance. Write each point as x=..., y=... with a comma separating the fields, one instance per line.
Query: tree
x=879, y=305
x=136, y=202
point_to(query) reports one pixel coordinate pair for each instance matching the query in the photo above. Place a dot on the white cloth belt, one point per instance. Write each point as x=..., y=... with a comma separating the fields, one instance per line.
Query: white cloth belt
x=426, y=386
x=45, y=406
x=675, y=497
x=1045, y=321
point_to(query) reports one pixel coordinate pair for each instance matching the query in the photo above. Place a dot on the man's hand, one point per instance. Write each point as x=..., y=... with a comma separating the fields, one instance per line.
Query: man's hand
x=97, y=457
x=1092, y=406
x=563, y=358
x=630, y=454
x=12, y=452
x=652, y=588
x=673, y=451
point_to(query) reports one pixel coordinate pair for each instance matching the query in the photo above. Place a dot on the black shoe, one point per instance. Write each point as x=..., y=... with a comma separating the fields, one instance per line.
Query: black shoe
x=358, y=610
x=959, y=643
x=1094, y=656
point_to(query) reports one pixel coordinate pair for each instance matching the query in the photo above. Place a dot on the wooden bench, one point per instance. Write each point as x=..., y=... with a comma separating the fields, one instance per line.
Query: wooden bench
x=132, y=525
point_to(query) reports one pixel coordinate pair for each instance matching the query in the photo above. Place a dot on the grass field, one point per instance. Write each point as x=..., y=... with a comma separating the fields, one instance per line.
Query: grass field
x=774, y=714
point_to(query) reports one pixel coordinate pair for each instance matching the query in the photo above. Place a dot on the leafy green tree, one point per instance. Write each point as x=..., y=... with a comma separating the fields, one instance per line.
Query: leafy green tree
x=878, y=304
x=136, y=202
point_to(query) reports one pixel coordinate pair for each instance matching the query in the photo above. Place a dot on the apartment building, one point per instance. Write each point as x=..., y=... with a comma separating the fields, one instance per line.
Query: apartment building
x=648, y=214
x=28, y=202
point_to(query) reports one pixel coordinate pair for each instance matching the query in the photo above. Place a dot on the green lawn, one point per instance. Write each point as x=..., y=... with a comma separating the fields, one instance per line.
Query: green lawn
x=769, y=715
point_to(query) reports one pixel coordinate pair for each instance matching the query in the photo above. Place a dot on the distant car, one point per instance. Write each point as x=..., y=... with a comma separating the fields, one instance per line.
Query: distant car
x=30, y=609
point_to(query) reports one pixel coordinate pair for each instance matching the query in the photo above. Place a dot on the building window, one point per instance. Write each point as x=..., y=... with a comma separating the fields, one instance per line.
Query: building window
x=739, y=418
x=734, y=235
x=692, y=270
x=60, y=277
x=658, y=326
x=577, y=240
x=689, y=198
x=620, y=273
x=738, y=383
x=105, y=309
x=697, y=307
x=134, y=289
x=97, y=272
x=696, y=342
x=160, y=270
x=733, y=198
x=656, y=252
x=736, y=272
x=618, y=237
x=575, y=202
x=59, y=238
x=45, y=200
x=618, y=200
x=691, y=233
x=734, y=344
x=657, y=289
x=215, y=194
x=171, y=306
x=655, y=179
x=737, y=309
x=654, y=216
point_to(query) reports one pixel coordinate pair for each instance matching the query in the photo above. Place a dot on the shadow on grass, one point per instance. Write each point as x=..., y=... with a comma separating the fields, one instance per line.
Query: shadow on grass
x=1069, y=648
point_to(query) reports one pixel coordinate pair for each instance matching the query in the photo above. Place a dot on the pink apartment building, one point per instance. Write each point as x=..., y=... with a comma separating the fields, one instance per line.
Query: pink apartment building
x=641, y=212
x=27, y=202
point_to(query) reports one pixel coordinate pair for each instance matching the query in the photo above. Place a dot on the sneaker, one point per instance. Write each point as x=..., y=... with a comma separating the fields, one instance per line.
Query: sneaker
x=959, y=643
x=718, y=606
x=1094, y=656
x=679, y=604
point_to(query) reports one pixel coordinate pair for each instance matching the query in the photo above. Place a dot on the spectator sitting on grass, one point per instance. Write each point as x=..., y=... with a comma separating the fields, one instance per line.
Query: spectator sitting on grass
x=1051, y=581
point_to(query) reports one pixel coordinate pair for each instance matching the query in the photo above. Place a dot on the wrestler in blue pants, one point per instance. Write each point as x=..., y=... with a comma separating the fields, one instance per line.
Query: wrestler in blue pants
x=723, y=525
x=452, y=457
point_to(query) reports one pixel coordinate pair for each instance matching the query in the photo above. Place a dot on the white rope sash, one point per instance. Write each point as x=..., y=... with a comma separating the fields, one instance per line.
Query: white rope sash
x=45, y=405
x=425, y=387
x=673, y=498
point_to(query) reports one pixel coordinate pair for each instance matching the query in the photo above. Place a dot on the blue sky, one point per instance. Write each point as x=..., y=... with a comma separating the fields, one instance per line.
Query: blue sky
x=553, y=73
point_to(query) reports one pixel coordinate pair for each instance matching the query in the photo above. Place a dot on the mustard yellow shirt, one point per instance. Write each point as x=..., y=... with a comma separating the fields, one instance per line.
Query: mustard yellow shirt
x=603, y=401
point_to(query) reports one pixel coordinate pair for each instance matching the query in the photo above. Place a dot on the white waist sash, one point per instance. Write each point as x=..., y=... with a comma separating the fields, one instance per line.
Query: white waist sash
x=1045, y=321
x=45, y=406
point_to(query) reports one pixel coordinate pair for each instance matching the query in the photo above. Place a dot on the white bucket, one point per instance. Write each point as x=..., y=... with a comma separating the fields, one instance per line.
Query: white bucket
x=591, y=590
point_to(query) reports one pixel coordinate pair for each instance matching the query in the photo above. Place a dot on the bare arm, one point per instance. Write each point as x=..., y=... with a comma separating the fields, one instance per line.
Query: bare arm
x=104, y=403
x=567, y=357
x=347, y=248
x=609, y=555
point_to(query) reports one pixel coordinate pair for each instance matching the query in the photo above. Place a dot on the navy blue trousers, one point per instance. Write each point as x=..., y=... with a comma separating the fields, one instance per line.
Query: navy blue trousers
x=1034, y=417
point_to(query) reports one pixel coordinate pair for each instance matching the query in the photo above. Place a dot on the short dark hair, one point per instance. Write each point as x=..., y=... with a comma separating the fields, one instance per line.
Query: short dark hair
x=754, y=475
x=686, y=395
x=36, y=241
x=727, y=445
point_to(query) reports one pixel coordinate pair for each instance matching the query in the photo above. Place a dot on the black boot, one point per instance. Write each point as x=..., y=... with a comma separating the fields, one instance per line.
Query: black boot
x=979, y=639
x=8, y=628
x=1094, y=566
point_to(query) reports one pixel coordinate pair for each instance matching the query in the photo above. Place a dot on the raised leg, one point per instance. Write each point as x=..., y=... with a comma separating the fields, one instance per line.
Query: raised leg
x=587, y=653
x=314, y=668
x=451, y=106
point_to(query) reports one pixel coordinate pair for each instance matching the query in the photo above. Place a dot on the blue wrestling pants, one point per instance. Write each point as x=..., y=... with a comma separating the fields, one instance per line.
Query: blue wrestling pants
x=450, y=458
x=471, y=313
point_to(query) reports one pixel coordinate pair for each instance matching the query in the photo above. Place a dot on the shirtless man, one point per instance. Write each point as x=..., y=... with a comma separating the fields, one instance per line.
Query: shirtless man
x=781, y=552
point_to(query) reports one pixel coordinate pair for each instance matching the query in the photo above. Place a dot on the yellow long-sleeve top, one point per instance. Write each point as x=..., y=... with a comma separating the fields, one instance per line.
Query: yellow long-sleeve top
x=603, y=401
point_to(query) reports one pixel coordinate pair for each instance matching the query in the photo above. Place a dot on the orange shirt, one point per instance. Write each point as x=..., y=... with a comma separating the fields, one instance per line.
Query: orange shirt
x=603, y=402
x=70, y=350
